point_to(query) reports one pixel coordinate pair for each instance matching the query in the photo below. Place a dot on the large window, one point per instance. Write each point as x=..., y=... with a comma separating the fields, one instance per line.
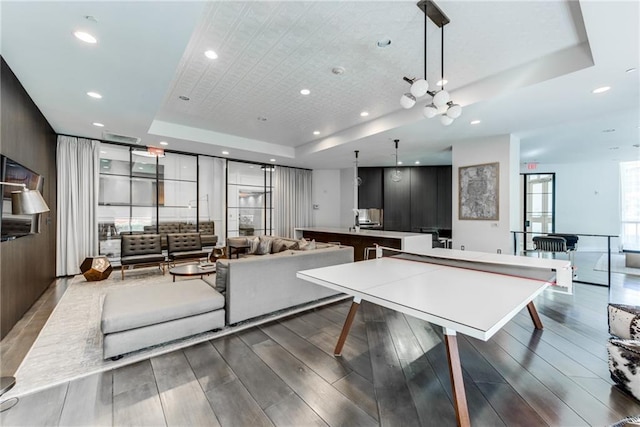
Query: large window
x=249, y=191
x=630, y=204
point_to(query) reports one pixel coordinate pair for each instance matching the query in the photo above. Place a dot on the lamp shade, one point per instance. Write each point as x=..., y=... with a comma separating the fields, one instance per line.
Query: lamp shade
x=407, y=101
x=430, y=111
x=454, y=111
x=446, y=120
x=419, y=88
x=27, y=202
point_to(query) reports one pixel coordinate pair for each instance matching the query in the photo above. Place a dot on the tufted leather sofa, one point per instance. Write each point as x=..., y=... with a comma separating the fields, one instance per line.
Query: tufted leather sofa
x=185, y=246
x=207, y=231
x=140, y=249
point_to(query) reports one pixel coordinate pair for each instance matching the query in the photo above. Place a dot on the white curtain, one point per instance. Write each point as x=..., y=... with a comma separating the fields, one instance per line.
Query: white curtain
x=78, y=163
x=292, y=200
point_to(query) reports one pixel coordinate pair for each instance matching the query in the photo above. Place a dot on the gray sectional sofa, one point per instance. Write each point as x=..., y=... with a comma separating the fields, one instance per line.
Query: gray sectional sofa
x=255, y=285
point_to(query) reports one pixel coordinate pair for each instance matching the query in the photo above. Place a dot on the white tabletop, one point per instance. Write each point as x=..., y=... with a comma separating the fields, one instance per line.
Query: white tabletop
x=471, y=302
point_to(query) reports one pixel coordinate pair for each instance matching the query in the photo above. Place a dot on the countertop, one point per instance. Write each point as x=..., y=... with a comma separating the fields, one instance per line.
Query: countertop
x=362, y=232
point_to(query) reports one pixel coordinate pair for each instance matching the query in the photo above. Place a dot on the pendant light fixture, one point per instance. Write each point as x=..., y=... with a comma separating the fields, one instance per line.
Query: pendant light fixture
x=396, y=176
x=441, y=103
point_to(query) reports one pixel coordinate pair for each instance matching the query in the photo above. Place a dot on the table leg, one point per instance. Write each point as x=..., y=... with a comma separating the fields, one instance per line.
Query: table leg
x=457, y=382
x=347, y=326
x=174, y=277
x=534, y=315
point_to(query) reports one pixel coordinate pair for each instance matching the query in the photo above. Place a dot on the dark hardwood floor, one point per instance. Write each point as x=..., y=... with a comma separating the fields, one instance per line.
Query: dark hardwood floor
x=393, y=372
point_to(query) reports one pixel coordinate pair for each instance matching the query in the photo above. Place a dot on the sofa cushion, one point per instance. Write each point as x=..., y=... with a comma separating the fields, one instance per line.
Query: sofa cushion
x=222, y=272
x=264, y=245
x=189, y=255
x=305, y=245
x=140, y=259
x=624, y=321
x=144, y=305
x=253, y=245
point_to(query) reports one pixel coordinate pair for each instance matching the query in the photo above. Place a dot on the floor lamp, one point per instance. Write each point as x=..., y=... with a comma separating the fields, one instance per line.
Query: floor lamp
x=23, y=202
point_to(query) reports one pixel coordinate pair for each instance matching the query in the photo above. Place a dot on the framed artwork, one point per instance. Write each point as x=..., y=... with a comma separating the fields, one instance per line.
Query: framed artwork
x=479, y=192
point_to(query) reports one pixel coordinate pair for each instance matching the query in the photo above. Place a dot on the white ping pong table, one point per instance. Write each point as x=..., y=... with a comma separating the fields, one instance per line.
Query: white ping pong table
x=472, y=293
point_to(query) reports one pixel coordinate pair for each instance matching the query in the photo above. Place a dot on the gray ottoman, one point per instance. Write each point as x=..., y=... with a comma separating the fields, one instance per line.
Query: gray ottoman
x=147, y=315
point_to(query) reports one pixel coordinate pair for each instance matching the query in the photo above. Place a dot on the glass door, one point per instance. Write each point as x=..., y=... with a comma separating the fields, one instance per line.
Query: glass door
x=539, y=206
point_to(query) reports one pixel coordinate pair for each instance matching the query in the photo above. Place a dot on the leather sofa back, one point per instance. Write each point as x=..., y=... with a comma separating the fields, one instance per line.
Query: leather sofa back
x=140, y=244
x=183, y=242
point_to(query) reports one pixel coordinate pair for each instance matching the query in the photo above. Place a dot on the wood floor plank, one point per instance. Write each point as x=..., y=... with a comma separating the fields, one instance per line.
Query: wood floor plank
x=332, y=406
x=360, y=391
x=261, y=382
x=510, y=406
x=610, y=395
x=323, y=364
x=299, y=326
x=358, y=328
x=89, y=401
x=131, y=376
x=138, y=406
x=183, y=400
x=395, y=403
x=589, y=408
x=433, y=405
x=42, y=408
x=552, y=409
x=208, y=366
x=355, y=354
x=234, y=406
x=293, y=412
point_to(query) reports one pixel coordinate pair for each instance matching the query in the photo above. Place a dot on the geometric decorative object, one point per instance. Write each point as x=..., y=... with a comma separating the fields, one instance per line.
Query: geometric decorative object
x=479, y=192
x=96, y=268
x=441, y=103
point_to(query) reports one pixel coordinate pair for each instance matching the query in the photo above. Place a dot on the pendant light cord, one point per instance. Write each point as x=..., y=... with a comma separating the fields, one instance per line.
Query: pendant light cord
x=442, y=65
x=425, y=42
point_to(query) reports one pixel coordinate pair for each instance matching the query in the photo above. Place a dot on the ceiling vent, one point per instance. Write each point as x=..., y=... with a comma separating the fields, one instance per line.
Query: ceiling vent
x=124, y=139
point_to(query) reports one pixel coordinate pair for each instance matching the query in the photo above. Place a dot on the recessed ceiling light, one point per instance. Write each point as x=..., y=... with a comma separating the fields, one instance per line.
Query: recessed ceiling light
x=226, y=153
x=272, y=160
x=442, y=82
x=630, y=70
x=211, y=54
x=316, y=132
x=417, y=162
x=103, y=152
x=140, y=167
x=94, y=95
x=85, y=37
x=399, y=162
x=105, y=167
x=364, y=114
x=338, y=70
x=305, y=91
x=184, y=98
x=164, y=143
x=474, y=122
x=383, y=42
x=601, y=89
x=608, y=130
x=262, y=119
x=100, y=125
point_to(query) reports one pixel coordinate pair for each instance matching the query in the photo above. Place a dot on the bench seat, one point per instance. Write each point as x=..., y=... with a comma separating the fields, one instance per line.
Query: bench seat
x=142, y=316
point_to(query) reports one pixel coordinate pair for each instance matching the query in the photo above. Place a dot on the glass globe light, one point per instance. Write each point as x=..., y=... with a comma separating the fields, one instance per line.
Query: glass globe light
x=446, y=120
x=407, y=100
x=419, y=88
x=454, y=111
x=430, y=111
x=358, y=181
x=396, y=176
x=442, y=109
x=441, y=98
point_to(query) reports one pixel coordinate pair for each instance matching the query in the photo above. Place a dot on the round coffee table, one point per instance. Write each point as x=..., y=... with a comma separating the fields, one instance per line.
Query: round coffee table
x=191, y=270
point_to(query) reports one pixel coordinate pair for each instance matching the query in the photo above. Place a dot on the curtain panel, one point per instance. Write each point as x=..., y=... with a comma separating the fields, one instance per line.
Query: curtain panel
x=292, y=200
x=78, y=164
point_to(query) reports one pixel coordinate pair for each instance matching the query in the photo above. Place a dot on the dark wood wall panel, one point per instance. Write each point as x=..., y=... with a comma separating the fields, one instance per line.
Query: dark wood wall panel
x=370, y=191
x=27, y=264
x=424, y=197
x=397, y=201
x=444, y=197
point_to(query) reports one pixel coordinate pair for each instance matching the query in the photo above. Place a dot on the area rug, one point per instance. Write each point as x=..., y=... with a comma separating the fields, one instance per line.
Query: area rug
x=70, y=344
x=617, y=265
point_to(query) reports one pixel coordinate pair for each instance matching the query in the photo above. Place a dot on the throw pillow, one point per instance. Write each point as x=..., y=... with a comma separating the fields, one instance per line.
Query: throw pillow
x=222, y=271
x=277, y=245
x=308, y=246
x=253, y=245
x=264, y=245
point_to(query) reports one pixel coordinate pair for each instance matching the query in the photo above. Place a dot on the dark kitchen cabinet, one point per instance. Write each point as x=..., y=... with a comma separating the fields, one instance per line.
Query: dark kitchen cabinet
x=370, y=191
x=444, y=197
x=397, y=200
x=424, y=197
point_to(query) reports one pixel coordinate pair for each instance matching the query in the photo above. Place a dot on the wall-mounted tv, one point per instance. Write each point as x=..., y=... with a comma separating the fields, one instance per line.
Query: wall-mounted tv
x=13, y=226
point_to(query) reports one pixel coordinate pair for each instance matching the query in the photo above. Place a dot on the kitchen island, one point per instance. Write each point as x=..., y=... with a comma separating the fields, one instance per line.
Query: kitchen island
x=362, y=239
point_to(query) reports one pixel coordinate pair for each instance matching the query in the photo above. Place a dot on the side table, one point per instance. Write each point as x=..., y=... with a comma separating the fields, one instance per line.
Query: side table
x=96, y=268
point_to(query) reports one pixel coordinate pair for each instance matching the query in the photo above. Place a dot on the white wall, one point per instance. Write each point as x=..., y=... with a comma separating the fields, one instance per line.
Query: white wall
x=326, y=194
x=587, y=200
x=347, y=217
x=488, y=236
